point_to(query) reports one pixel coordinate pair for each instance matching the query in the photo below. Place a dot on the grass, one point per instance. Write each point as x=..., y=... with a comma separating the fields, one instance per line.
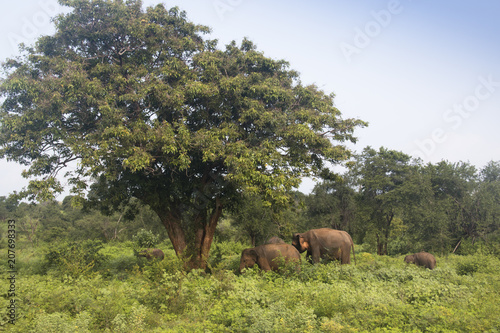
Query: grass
x=377, y=294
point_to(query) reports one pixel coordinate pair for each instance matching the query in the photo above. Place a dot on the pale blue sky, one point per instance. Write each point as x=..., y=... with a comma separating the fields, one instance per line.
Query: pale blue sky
x=425, y=74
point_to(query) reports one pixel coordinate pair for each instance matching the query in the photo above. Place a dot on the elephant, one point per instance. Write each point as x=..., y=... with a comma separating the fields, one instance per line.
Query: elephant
x=268, y=256
x=151, y=253
x=422, y=259
x=325, y=243
x=275, y=240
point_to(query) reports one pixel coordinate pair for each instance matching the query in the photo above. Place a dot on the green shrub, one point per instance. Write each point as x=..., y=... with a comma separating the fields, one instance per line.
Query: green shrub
x=468, y=267
x=226, y=255
x=75, y=259
x=62, y=323
x=120, y=267
x=133, y=322
x=145, y=239
x=379, y=294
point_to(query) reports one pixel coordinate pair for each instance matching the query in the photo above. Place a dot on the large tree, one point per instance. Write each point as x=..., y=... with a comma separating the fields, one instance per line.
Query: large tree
x=150, y=109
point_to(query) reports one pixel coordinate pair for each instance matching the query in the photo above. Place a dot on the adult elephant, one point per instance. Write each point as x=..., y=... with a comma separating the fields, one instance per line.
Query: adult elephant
x=275, y=240
x=269, y=256
x=151, y=254
x=325, y=243
x=422, y=259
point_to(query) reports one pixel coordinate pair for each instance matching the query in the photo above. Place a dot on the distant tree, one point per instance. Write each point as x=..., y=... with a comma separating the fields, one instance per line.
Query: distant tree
x=8, y=206
x=332, y=204
x=151, y=110
x=424, y=218
x=454, y=186
x=291, y=220
x=254, y=218
x=487, y=200
x=381, y=176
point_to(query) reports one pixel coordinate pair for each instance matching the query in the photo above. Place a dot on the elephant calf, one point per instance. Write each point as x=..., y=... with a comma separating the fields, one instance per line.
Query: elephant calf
x=152, y=254
x=422, y=259
x=269, y=256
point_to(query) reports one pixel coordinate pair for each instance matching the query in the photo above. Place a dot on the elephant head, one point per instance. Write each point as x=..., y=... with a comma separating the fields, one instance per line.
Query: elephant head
x=300, y=242
x=410, y=259
x=249, y=258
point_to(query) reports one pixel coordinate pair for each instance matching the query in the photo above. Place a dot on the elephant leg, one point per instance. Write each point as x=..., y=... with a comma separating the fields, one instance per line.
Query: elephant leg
x=316, y=256
x=309, y=257
x=264, y=264
x=346, y=256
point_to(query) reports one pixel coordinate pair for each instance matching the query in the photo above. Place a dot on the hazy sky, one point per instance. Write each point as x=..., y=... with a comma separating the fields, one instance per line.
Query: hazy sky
x=424, y=74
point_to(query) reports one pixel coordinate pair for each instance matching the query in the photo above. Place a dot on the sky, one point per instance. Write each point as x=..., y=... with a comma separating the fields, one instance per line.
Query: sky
x=424, y=74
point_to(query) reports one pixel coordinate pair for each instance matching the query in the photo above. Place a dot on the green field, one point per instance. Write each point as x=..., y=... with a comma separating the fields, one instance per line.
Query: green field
x=63, y=289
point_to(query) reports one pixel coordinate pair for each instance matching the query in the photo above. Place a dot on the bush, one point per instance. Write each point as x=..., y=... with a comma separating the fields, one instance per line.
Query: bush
x=468, y=267
x=133, y=322
x=379, y=294
x=62, y=323
x=226, y=255
x=75, y=259
x=145, y=239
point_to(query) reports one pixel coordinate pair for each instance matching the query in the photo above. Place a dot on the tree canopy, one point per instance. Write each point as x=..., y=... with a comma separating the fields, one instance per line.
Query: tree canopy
x=150, y=109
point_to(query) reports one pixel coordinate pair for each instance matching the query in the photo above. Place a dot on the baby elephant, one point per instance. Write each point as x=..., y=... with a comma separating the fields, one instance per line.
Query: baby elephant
x=152, y=254
x=422, y=259
x=269, y=256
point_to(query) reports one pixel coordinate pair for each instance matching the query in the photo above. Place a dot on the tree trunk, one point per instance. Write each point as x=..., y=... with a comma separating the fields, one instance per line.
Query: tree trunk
x=204, y=237
x=388, y=218
x=197, y=250
x=174, y=230
x=380, y=246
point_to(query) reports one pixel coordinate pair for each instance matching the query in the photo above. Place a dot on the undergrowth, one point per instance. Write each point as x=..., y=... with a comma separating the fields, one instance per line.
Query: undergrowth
x=114, y=291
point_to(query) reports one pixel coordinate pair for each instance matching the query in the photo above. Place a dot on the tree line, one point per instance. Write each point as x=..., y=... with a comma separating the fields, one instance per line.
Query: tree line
x=393, y=204
x=389, y=202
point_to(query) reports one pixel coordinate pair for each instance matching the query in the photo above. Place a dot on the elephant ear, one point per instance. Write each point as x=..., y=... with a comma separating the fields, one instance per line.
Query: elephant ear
x=252, y=253
x=303, y=243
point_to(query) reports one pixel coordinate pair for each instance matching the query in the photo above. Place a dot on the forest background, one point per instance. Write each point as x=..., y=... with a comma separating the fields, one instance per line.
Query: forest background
x=387, y=201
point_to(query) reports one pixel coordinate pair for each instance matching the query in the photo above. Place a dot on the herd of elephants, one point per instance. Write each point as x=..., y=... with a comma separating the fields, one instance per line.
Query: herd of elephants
x=324, y=243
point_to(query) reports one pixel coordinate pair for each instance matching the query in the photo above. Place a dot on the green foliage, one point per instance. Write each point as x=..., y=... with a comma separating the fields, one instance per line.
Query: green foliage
x=62, y=322
x=151, y=109
x=75, y=259
x=378, y=294
x=226, y=255
x=468, y=267
x=133, y=322
x=145, y=238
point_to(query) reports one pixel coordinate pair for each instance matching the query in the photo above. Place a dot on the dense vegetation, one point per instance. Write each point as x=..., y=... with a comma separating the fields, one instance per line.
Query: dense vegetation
x=67, y=288
x=77, y=269
x=395, y=208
